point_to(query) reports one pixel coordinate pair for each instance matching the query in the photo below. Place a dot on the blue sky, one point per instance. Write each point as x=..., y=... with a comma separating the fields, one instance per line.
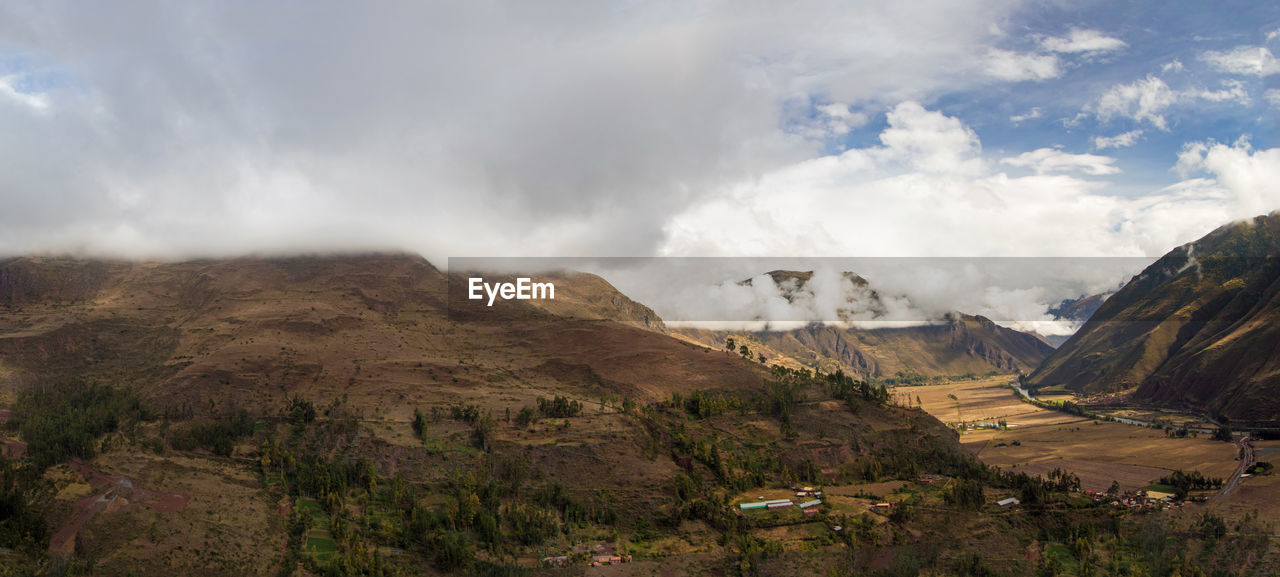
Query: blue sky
x=1164, y=41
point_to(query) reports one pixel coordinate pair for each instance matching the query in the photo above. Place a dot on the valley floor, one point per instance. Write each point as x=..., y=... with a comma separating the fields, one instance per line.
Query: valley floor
x=1035, y=440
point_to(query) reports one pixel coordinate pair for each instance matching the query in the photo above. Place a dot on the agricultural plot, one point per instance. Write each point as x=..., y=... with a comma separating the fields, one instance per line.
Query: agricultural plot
x=1036, y=441
x=319, y=541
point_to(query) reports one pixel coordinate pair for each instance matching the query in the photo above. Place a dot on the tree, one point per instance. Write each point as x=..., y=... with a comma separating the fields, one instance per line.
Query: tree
x=729, y=344
x=966, y=494
x=300, y=411
x=1114, y=489
x=526, y=417
x=744, y=351
x=482, y=433
x=420, y=423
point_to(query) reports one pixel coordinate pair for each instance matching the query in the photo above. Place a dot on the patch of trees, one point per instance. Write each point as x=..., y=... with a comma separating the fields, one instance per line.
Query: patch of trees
x=525, y=417
x=467, y=413
x=1266, y=434
x=22, y=525
x=1211, y=527
x=779, y=400
x=1185, y=482
x=703, y=404
x=1222, y=434
x=64, y=420
x=841, y=386
x=218, y=436
x=965, y=494
x=559, y=407
x=744, y=553
x=482, y=423
x=299, y=411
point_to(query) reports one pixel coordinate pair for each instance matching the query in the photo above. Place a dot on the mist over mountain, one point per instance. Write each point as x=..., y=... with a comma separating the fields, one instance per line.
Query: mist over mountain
x=948, y=345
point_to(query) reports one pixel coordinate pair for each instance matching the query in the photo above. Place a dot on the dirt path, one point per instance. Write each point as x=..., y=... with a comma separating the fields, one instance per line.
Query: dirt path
x=110, y=491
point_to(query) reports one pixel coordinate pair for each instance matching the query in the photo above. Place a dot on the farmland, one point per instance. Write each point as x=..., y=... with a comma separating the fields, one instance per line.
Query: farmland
x=1036, y=440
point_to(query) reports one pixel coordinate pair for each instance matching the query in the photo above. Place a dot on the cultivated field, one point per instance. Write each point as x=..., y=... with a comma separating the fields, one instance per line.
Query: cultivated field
x=1038, y=440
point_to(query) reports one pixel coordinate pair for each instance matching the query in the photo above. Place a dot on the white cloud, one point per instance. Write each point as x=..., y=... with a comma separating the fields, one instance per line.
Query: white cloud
x=1149, y=99
x=1122, y=140
x=1232, y=91
x=1249, y=178
x=1030, y=115
x=834, y=119
x=1045, y=160
x=1273, y=97
x=38, y=102
x=1142, y=100
x=877, y=202
x=1083, y=40
x=929, y=141
x=1174, y=65
x=442, y=128
x=1272, y=35
x=1016, y=67
x=1245, y=60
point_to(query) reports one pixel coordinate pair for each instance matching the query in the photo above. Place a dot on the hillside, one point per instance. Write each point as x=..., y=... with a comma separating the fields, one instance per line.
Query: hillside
x=255, y=331
x=1198, y=329
x=958, y=345
x=346, y=388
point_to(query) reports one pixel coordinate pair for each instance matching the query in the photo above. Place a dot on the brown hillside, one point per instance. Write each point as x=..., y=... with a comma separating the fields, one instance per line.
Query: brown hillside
x=373, y=327
x=1199, y=329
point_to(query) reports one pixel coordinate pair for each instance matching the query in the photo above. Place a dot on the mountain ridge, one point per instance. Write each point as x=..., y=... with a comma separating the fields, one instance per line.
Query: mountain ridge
x=1198, y=329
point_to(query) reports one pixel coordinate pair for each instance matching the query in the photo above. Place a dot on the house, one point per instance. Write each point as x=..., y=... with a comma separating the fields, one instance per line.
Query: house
x=774, y=504
x=1007, y=502
x=610, y=560
x=808, y=504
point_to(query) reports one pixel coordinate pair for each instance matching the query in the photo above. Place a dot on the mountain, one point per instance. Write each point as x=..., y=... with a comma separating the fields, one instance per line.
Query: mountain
x=1199, y=329
x=367, y=392
x=957, y=345
x=1076, y=311
x=219, y=331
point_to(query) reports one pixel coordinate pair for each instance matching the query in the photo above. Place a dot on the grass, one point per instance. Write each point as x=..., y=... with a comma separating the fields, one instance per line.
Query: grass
x=319, y=541
x=320, y=544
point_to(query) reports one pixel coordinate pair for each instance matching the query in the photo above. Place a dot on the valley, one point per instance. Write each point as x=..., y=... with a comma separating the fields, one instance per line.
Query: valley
x=334, y=415
x=1028, y=438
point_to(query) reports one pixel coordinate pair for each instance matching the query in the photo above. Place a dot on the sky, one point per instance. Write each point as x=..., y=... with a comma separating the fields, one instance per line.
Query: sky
x=624, y=128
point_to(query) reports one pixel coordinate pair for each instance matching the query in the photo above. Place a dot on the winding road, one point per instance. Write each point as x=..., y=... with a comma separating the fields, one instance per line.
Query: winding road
x=1248, y=456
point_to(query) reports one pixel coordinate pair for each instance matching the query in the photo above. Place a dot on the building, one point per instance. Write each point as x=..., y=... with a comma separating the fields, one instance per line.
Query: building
x=1007, y=502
